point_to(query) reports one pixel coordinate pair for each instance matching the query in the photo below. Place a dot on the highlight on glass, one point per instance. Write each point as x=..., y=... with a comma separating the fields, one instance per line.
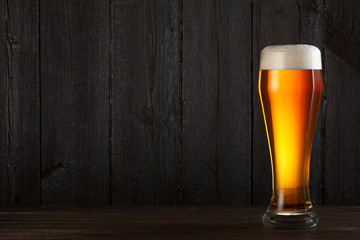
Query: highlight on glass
x=290, y=88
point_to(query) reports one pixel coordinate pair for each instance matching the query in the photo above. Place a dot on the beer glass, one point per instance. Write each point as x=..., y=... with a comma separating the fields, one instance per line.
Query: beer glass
x=290, y=87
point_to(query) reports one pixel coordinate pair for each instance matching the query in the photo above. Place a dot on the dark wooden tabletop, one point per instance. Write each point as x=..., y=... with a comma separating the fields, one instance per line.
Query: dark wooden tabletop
x=167, y=223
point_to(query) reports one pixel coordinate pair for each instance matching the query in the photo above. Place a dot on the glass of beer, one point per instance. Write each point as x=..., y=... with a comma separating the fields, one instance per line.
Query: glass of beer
x=290, y=87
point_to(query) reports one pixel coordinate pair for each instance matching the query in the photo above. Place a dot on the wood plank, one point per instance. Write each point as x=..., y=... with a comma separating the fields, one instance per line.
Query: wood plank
x=146, y=119
x=19, y=104
x=291, y=22
x=342, y=143
x=312, y=31
x=234, y=103
x=168, y=223
x=74, y=102
x=282, y=29
x=4, y=180
x=200, y=71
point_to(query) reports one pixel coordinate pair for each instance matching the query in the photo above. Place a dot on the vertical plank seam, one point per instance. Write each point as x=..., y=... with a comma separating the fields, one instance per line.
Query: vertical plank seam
x=151, y=88
x=340, y=177
x=323, y=128
x=40, y=110
x=180, y=94
x=252, y=105
x=219, y=25
x=111, y=69
x=299, y=21
x=356, y=169
x=69, y=35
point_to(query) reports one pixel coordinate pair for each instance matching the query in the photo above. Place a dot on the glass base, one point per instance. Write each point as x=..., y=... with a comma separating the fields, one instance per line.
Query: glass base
x=304, y=219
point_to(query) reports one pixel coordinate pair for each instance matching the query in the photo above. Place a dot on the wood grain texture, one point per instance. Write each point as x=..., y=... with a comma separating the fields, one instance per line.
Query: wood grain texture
x=292, y=22
x=74, y=102
x=19, y=105
x=282, y=29
x=156, y=102
x=200, y=71
x=233, y=131
x=146, y=119
x=342, y=143
x=168, y=223
x=312, y=31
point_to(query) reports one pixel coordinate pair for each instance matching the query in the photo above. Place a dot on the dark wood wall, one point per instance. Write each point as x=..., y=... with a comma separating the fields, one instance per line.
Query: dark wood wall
x=156, y=102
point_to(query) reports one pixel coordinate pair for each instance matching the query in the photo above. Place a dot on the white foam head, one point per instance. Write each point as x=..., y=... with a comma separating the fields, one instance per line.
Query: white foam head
x=290, y=57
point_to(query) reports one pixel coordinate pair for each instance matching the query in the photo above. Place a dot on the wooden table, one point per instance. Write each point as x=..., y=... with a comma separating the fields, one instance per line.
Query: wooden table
x=167, y=223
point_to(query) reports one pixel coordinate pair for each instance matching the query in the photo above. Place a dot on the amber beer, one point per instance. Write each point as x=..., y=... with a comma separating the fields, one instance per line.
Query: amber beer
x=290, y=87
